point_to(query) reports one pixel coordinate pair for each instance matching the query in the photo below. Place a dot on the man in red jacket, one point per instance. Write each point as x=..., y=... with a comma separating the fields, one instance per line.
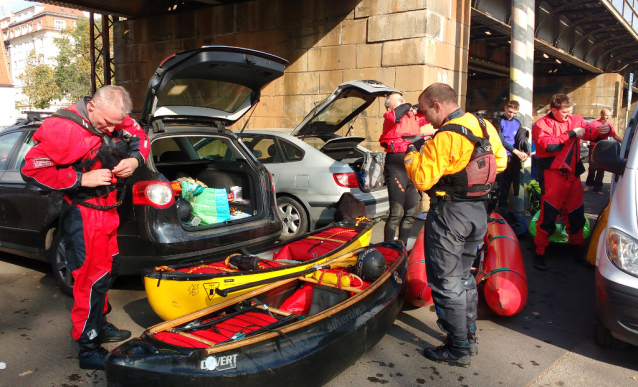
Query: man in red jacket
x=82, y=151
x=557, y=145
x=401, y=124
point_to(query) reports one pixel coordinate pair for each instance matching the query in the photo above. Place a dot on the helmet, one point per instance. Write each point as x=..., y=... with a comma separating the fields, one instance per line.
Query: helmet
x=184, y=210
x=243, y=262
x=370, y=265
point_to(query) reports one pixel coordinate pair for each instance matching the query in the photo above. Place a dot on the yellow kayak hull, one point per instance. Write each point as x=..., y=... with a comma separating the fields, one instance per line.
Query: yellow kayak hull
x=173, y=293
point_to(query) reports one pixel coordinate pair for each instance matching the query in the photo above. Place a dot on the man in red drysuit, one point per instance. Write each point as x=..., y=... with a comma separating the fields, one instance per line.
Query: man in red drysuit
x=82, y=151
x=557, y=145
x=400, y=125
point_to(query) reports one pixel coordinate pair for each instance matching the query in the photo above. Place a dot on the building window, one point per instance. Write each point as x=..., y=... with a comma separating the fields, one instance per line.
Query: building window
x=60, y=25
x=39, y=25
x=75, y=24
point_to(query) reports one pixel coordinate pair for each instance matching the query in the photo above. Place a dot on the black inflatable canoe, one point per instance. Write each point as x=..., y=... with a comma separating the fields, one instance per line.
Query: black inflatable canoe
x=291, y=332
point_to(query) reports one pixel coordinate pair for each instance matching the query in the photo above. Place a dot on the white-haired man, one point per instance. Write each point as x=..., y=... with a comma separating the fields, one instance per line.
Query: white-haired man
x=82, y=151
x=401, y=123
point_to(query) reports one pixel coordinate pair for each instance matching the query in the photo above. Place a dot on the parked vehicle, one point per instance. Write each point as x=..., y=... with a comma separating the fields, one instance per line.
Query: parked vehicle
x=190, y=100
x=617, y=254
x=313, y=166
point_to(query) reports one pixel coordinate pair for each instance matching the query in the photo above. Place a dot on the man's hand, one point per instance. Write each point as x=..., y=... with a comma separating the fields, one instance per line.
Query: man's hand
x=126, y=167
x=420, y=140
x=604, y=129
x=580, y=132
x=96, y=178
x=521, y=155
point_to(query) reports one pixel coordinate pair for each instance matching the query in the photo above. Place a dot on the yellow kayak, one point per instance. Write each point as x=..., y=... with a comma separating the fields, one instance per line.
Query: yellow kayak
x=176, y=290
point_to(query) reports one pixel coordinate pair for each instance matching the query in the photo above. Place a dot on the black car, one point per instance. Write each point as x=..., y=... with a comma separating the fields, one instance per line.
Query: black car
x=191, y=99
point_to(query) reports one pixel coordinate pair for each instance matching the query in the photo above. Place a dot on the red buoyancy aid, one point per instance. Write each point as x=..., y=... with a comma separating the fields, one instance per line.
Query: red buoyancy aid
x=399, y=123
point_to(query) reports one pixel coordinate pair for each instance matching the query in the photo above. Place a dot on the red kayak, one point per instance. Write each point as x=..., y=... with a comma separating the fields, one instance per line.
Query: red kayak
x=502, y=269
x=419, y=293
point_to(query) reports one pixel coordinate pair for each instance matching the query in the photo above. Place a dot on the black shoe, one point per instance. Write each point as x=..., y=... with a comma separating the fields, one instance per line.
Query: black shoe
x=473, y=343
x=451, y=353
x=93, y=360
x=112, y=334
x=579, y=257
x=539, y=262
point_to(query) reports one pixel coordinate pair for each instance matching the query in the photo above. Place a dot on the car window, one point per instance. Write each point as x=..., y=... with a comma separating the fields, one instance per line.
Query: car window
x=339, y=110
x=206, y=93
x=264, y=148
x=211, y=148
x=27, y=144
x=7, y=143
x=291, y=152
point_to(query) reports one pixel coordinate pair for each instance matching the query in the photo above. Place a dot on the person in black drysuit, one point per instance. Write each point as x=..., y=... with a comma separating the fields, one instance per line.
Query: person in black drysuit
x=401, y=124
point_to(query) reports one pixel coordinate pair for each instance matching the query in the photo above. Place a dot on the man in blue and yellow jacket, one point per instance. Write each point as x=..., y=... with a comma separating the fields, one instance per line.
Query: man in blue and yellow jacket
x=457, y=221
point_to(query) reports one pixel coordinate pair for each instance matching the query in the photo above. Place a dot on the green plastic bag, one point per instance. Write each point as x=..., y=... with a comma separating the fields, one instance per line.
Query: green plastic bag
x=210, y=205
x=534, y=196
x=560, y=235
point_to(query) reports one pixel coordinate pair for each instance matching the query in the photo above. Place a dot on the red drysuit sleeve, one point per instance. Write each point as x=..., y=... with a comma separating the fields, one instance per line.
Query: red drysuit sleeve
x=544, y=138
x=48, y=164
x=139, y=144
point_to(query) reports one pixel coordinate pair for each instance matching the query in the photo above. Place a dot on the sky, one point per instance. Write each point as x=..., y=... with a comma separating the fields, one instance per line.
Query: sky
x=7, y=6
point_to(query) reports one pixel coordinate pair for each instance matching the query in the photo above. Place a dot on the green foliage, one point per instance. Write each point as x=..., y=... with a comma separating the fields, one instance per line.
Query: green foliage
x=73, y=69
x=39, y=87
x=70, y=78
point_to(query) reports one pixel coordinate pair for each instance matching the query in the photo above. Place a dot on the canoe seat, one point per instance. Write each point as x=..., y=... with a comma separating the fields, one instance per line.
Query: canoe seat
x=316, y=245
x=242, y=324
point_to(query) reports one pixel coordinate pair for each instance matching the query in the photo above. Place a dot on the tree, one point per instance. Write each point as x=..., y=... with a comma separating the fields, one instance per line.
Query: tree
x=40, y=87
x=73, y=68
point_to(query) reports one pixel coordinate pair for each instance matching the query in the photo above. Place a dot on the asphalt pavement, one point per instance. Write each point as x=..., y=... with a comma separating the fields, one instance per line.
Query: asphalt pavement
x=550, y=343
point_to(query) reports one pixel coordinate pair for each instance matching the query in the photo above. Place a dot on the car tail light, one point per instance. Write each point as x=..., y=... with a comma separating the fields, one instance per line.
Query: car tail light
x=272, y=182
x=348, y=180
x=158, y=194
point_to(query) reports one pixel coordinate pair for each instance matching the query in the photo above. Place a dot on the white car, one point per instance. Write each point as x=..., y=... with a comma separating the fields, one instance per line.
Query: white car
x=617, y=254
x=312, y=166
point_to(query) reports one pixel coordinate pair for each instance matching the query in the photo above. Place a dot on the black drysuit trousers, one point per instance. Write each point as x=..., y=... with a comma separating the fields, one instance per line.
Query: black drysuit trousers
x=404, y=198
x=453, y=231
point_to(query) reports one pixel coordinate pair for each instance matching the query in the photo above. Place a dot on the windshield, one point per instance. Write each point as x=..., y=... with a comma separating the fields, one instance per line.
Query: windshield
x=219, y=95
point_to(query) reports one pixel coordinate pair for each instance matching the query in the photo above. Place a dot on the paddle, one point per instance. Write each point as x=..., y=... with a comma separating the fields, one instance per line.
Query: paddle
x=249, y=285
x=225, y=292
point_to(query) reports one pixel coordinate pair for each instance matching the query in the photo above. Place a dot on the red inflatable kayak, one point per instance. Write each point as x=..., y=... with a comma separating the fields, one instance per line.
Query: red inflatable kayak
x=419, y=293
x=502, y=269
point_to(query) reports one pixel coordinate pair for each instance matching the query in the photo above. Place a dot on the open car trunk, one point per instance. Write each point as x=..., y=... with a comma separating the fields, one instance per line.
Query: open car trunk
x=209, y=162
x=366, y=164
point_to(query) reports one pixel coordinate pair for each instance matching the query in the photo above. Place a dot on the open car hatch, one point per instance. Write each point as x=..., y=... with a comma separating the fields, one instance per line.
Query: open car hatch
x=342, y=106
x=211, y=83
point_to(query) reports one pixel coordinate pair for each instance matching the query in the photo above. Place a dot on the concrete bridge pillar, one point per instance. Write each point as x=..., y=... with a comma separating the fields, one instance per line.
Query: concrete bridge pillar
x=522, y=79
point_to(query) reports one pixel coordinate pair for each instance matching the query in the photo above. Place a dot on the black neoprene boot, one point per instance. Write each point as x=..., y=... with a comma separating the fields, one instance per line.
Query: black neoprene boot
x=111, y=334
x=578, y=256
x=471, y=339
x=453, y=352
x=539, y=262
x=93, y=359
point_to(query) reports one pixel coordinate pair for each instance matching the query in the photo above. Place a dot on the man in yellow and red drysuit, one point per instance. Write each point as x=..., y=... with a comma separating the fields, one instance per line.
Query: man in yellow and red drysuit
x=557, y=138
x=82, y=151
x=457, y=168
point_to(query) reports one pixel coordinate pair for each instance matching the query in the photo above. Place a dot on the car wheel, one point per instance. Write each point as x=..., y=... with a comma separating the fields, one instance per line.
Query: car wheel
x=293, y=216
x=605, y=339
x=61, y=272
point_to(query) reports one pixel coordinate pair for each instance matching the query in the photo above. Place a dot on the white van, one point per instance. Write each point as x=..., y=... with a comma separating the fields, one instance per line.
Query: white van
x=617, y=254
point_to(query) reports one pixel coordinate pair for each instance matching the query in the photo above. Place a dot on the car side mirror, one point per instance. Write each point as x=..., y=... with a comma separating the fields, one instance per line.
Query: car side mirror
x=605, y=156
x=257, y=153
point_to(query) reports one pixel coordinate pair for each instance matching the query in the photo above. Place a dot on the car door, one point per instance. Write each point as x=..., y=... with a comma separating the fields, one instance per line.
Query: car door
x=265, y=149
x=27, y=211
